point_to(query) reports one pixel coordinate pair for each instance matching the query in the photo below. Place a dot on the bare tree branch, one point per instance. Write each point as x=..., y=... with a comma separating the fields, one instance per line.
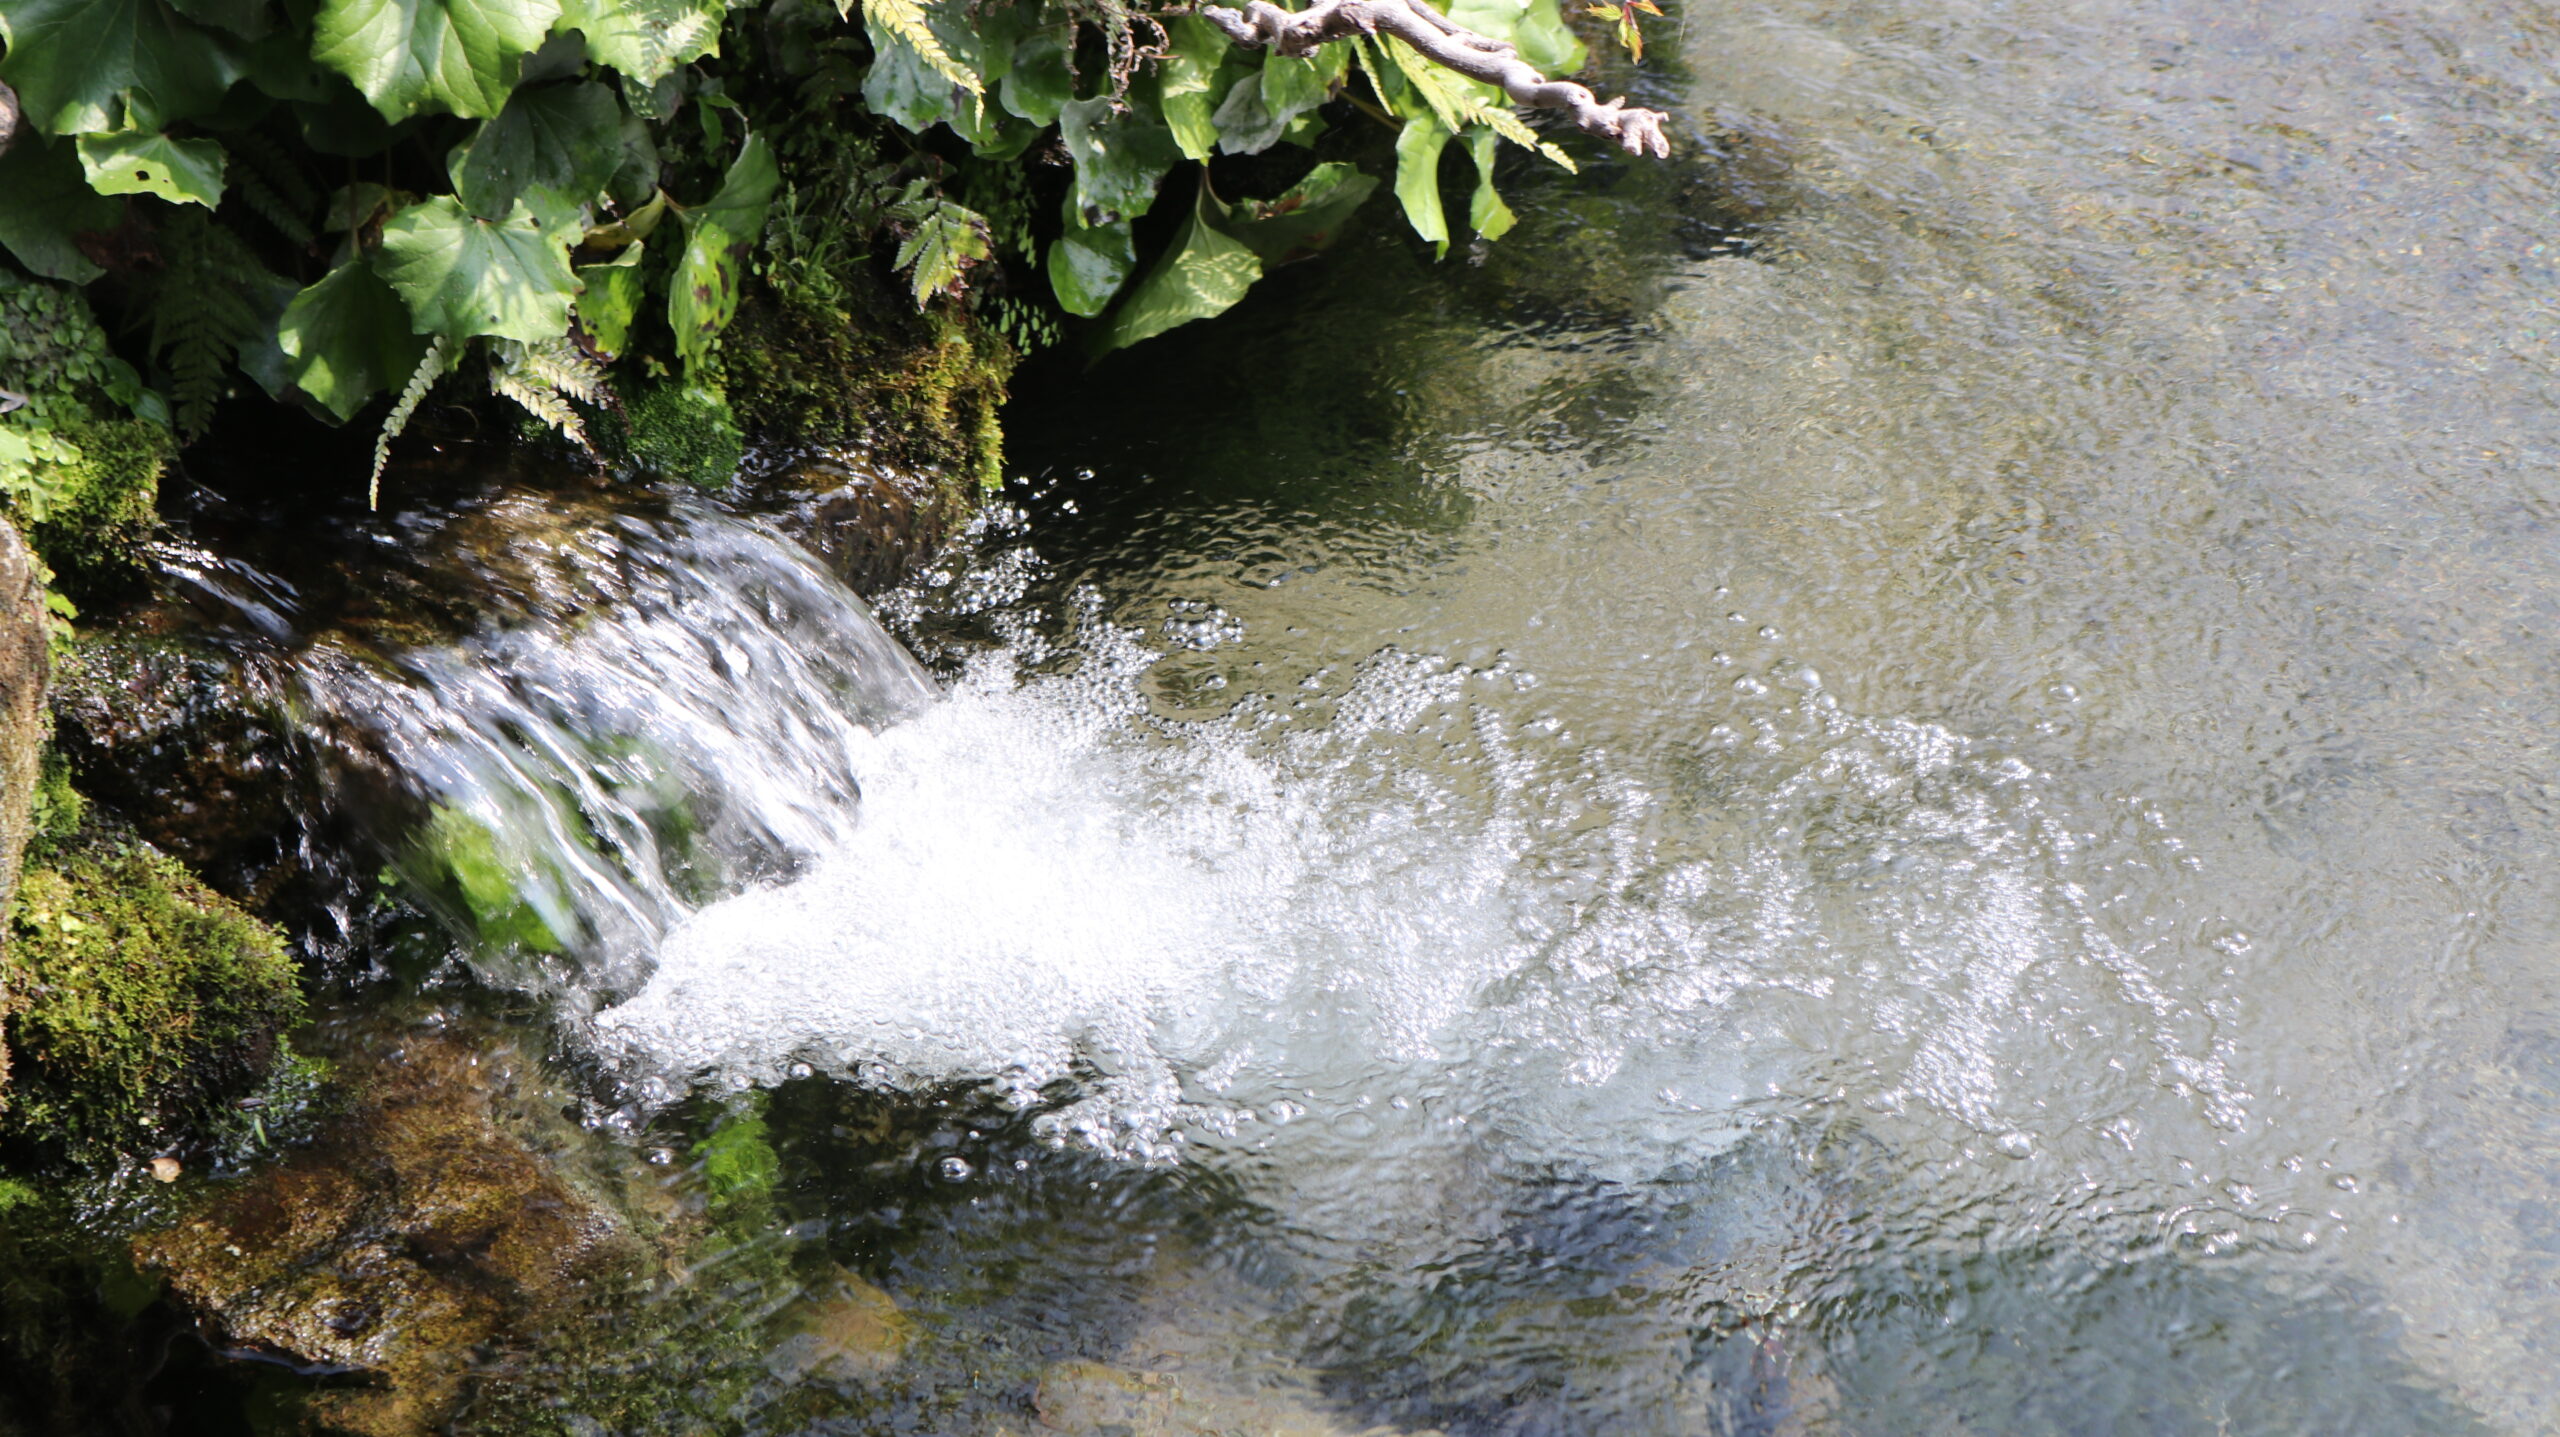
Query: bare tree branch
x=1446, y=43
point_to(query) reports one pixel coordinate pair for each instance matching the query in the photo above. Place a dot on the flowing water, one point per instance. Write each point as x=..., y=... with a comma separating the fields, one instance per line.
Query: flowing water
x=1893, y=779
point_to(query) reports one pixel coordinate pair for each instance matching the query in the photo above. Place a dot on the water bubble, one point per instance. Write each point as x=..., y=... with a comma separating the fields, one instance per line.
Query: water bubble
x=953, y=1170
x=2017, y=1145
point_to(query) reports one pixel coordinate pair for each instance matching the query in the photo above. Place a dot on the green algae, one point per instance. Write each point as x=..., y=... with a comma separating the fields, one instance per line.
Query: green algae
x=686, y=432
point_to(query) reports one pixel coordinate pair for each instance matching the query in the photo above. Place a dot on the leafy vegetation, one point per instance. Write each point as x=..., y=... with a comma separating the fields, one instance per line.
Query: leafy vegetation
x=339, y=203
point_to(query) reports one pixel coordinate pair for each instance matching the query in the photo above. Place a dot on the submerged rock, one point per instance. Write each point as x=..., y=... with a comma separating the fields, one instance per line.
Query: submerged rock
x=418, y=1227
x=848, y=1331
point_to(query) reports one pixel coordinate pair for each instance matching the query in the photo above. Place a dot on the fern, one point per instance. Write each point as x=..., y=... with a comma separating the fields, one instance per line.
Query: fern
x=906, y=20
x=543, y=378
x=438, y=358
x=271, y=187
x=200, y=311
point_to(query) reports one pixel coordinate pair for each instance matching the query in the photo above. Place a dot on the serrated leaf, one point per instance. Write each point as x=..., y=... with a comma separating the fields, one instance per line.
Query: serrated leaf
x=645, y=39
x=1535, y=27
x=1202, y=275
x=1120, y=158
x=1458, y=102
x=463, y=276
x=47, y=207
x=1418, y=148
x=564, y=138
x=1089, y=264
x=81, y=66
x=1487, y=215
x=946, y=239
x=419, y=56
x=610, y=303
x=147, y=162
x=348, y=338
x=703, y=296
x=1303, y=219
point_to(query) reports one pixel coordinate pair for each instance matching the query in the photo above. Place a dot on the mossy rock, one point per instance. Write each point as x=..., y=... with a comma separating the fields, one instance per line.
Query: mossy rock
x=106, y=503
x=686, y=432
x=140, y=1000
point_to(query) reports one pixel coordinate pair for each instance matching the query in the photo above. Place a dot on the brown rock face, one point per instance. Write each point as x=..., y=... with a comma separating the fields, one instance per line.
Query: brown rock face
x=415, y=1230
x=23, y=667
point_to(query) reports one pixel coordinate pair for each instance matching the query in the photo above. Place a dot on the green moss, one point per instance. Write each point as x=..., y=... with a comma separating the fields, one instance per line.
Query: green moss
x=686, y=432
x=80, y=462
x=57, y=810
x=140, y=1000
x=105, y=501
x=739, y=1165
x=919, y=391
x=468, y=860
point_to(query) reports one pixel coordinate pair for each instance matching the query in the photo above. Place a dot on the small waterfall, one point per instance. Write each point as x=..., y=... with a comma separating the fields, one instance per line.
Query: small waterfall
x=675, y=777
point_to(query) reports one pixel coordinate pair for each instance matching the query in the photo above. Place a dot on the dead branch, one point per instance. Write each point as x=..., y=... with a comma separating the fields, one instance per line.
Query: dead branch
x=1444, y=42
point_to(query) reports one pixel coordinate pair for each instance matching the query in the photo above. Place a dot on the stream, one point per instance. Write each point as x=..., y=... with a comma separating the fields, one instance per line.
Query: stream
x=1894, y=778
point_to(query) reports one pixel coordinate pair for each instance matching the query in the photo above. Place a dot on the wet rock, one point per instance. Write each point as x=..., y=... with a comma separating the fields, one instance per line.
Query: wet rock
x=849, y=1331
x=869, y=521
x=168, y=734
x=417, y=1228
x=22, y=688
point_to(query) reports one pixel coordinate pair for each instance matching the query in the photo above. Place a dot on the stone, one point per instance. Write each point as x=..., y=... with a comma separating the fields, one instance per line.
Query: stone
x=848, y=1331
x=24, y=653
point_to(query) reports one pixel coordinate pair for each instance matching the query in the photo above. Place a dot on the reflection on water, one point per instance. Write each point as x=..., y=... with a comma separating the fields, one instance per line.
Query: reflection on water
x=1895, y=778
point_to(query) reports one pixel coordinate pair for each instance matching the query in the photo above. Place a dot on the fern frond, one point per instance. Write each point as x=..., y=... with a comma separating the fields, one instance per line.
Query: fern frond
x=531, y=375
x=561, y=364
x=264, y=202
x=906, y=20
x=439, y=357
x=271, y=186
x=200, y=311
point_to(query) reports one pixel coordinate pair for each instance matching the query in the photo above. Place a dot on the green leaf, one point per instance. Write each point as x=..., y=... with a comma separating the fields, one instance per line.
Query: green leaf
x=1305, y=218
x=1418, y=148
x=1536, y=27
x=904, y=86
x=1487, y=215
x=347, y=339
x=147, y=162
x=84, y=66
x=463, y=276
x=419, y=56
x=946, y=45
x=946, y=239
x=1203, y=274
x=1088, y=265
x=1120, y=157
x=610, y=303
x=248, y=19
x=1184, y=82
x=1038, y=84
x=564, y=138
x=48, y=205
x=704, y=294
x=645, y=39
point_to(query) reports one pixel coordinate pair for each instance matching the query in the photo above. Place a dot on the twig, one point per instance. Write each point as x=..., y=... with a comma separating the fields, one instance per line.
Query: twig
x=1446, y=43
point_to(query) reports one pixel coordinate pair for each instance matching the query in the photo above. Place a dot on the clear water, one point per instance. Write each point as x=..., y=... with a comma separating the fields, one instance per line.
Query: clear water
x=1893, y=779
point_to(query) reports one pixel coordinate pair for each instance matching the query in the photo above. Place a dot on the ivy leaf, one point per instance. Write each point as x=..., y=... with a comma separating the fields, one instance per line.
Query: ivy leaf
x=610, y=303
x=147, y=162
x=1487, y=215
x=418, y=56
x=462, y=275
x=1185, y=82
x=1305, y=218
x=704, y=295
x=1038, y=84
x=1203, y=274
x=564, y=138
x=79, y=66
x=644, y=39
x=1088, y=264
x=347, y=339
x=1418, y=148
x=1120, y=157
x=49, y=206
